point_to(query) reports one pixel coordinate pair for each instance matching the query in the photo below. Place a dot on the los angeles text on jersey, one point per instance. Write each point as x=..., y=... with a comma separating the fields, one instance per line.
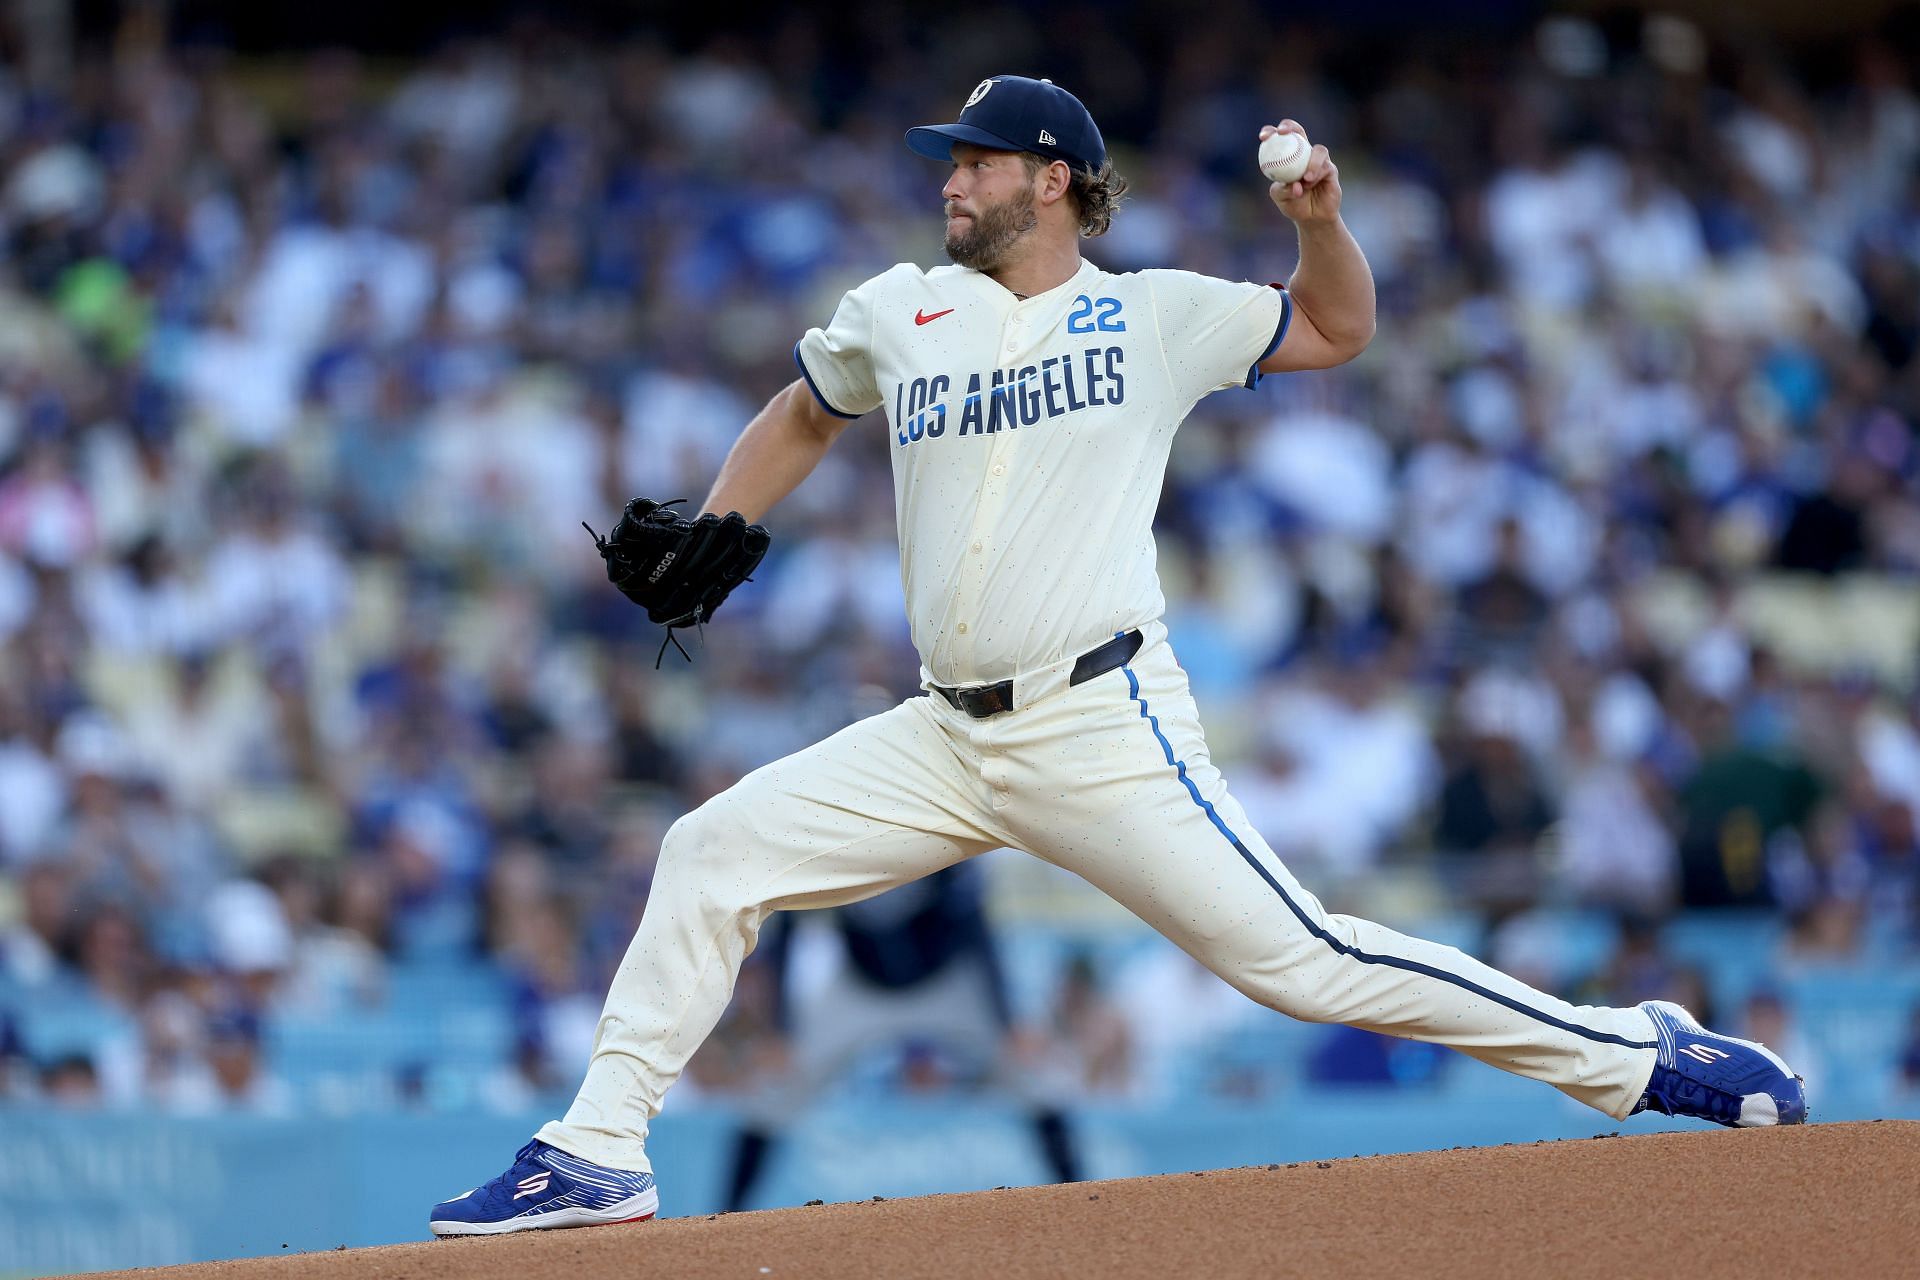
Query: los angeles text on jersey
x=1004, y=399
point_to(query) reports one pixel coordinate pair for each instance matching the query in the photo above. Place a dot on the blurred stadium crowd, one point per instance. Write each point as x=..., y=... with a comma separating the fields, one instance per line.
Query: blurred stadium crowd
x=1589, y=590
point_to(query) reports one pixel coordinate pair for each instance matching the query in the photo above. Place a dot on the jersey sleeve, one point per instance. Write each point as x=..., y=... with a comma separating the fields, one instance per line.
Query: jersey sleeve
x=837, y=361
x=1216, y=332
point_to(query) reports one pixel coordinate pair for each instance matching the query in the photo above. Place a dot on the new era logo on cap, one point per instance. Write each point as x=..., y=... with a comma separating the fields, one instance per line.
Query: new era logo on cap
x=1003, y=110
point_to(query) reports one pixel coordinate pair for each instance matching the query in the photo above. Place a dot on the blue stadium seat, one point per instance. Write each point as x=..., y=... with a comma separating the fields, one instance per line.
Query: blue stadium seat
x=1857, y=1019
x=1737, y=949
x=64, y=1017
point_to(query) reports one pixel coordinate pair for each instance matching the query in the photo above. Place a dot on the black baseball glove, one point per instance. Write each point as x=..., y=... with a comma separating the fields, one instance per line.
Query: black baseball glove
x=679, y=570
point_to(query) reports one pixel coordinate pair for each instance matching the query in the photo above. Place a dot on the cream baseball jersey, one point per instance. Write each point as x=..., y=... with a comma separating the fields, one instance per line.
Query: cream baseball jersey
x=1030, y=439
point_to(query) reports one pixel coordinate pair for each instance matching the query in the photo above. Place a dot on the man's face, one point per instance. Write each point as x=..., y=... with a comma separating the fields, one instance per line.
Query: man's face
x=990, y=205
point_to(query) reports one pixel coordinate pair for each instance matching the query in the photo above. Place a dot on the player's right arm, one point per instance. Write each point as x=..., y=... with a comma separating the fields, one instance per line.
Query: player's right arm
x=783, y=445
x=780, y=448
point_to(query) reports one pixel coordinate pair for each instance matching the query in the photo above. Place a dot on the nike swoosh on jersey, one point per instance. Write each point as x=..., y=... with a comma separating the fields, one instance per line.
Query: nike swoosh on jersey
x=921, y=317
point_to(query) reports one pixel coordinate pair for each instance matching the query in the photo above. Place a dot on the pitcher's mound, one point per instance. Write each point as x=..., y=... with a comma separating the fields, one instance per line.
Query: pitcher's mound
x=1820, y=1200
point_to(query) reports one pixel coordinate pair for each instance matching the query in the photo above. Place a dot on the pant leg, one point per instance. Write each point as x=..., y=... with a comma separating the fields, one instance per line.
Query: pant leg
x=878, y=804
x=1111, y=780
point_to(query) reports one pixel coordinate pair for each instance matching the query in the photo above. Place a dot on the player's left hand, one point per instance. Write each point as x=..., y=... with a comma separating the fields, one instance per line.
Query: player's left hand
x=1315, y=195
x=679, y=570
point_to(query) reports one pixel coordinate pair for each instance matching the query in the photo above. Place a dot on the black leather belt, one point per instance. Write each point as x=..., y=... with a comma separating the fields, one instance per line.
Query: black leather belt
x=983, y=700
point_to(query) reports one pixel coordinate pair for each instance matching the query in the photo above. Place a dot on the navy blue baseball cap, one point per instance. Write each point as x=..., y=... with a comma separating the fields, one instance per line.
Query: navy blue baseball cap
x=1013, y=113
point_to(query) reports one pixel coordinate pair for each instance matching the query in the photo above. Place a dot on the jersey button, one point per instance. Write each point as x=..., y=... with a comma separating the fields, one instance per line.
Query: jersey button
x=976, y=548
x=999, y=468
x=962, y=628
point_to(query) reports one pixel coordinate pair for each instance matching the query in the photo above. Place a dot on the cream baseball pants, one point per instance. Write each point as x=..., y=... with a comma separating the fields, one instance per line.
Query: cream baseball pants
x=1109, y=779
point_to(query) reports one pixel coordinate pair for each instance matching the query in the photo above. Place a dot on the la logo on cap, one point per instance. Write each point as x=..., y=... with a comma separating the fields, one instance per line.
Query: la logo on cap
x=979, y=92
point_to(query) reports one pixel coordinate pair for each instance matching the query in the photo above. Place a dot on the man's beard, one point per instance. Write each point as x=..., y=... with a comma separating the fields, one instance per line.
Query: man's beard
x=989, y=237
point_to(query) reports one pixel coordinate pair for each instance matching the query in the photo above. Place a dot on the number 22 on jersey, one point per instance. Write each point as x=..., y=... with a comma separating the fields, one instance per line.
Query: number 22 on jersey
x=1084, y=320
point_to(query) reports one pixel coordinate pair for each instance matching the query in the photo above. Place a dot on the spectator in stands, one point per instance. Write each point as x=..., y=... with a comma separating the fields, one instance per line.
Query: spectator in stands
x=70, y=1083
x=1736, y=801
x=1892, y=849
x=919, y=985
x=1492, y=812
x=337, y=919
x=249, y=940
x=556, y=1007
x=1767, y=1013
x=1821, y=883
x=33, y=784
x=31, y=946
x=1177, y=1013
x=109, y=949
x=566, y=811
x=244, y=1081
x=1503, y=609
x=1615, y=848
x=1643, y=968
x=1345, y=745
x=18, y=1082
x=1083, y=1047
x=1348, y=1057
x=177, y=1077
x=641, y=754
x=1909, y=1059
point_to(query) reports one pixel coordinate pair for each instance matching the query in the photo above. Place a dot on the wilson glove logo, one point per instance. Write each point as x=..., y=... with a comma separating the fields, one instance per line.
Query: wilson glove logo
x=661, y=568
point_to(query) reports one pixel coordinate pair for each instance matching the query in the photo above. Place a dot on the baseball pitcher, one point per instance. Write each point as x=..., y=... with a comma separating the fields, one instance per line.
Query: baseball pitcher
x=1030, y=401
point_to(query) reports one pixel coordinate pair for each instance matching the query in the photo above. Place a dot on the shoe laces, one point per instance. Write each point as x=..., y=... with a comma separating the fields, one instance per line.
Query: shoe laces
x=1671, y=1093
x=524, y=1164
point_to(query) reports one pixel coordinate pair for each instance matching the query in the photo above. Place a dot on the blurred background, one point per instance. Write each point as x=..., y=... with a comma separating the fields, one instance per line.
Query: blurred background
x=1576, y=623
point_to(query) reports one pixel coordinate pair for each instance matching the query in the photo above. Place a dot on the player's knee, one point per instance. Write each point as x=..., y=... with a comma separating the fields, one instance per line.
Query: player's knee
x=696, y=838
x=1288, y=970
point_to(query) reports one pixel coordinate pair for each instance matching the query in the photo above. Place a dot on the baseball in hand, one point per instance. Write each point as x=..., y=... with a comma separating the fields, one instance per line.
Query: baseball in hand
x=1283, y=157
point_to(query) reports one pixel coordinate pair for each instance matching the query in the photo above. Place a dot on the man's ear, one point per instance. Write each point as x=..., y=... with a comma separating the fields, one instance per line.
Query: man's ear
x=1055, y=181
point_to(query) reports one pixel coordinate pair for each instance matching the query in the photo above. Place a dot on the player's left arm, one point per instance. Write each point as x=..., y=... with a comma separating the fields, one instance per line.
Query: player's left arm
x=1332, y=288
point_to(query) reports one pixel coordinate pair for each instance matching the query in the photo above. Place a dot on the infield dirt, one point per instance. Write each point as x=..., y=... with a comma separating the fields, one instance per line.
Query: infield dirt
x=1837, y=1200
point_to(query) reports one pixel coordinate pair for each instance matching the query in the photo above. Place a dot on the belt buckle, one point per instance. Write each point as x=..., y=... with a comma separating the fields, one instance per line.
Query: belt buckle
x=982, y=701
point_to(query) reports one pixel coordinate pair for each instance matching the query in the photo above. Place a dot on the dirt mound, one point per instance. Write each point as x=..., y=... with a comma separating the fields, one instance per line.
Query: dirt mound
x=1826, y=1200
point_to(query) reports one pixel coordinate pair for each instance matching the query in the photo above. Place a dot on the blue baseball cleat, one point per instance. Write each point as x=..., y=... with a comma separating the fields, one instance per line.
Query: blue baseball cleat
x=548, y=1188
x=1732, y=1082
